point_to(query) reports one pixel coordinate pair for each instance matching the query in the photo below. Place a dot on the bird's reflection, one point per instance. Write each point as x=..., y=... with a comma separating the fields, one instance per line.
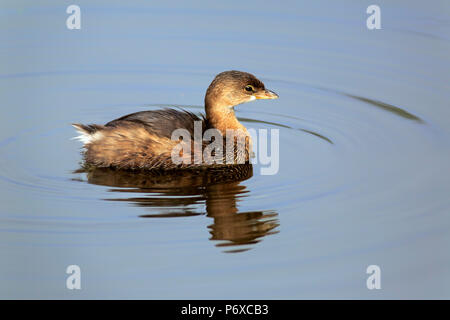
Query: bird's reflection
x=181, y=193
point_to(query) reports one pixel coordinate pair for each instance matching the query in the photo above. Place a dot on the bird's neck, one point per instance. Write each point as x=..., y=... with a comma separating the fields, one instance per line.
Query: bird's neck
x=223, y=118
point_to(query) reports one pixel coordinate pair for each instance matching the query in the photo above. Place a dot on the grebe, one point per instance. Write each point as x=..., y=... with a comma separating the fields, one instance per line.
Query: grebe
x=143, y=140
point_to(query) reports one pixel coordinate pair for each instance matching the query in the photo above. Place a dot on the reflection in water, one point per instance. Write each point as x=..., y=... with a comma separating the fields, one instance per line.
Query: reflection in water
x=175, y=194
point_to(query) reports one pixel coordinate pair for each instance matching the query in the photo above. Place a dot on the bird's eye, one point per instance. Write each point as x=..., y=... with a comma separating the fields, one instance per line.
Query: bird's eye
x=249, y=88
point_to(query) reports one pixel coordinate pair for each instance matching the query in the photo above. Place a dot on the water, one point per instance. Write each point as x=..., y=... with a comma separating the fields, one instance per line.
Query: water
x=364, y=120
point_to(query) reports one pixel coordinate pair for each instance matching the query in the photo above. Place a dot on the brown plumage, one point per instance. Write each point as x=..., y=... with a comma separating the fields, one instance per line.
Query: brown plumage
x=143, y=140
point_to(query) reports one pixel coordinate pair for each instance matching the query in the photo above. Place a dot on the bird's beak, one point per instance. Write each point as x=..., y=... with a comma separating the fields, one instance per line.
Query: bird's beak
x=266, y=94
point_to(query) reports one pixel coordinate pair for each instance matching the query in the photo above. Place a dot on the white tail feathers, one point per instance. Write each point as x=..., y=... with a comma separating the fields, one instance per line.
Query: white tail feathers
x=85, y=135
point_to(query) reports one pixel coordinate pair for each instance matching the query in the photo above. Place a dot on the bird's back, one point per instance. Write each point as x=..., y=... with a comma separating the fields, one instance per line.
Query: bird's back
x=161, y=122
x=140, y=140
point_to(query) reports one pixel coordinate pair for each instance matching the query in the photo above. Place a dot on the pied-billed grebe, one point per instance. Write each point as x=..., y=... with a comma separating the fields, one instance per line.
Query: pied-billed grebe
x=145, y=140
